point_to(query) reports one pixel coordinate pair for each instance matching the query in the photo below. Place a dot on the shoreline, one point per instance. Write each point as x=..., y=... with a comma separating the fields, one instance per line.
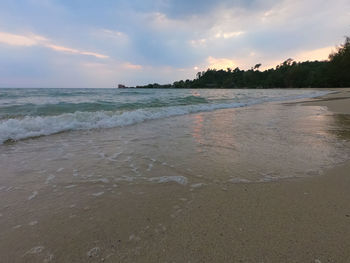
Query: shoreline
x=337, y=102
x=294, y=220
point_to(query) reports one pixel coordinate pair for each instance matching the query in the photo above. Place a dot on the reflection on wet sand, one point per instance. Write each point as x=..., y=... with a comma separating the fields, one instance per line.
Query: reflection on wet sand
x=341, y=120
x=197, y=128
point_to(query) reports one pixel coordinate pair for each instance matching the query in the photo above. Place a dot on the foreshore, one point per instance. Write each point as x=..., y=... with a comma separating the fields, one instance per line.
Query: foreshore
x=338, y=101
x=304, y=219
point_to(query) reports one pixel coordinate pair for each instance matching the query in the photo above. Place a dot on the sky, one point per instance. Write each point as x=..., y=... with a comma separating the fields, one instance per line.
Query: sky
x=98, y=44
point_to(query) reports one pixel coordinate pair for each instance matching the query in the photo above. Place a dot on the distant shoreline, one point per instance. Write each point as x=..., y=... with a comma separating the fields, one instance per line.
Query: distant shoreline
x=237, y=88
x=308, y=74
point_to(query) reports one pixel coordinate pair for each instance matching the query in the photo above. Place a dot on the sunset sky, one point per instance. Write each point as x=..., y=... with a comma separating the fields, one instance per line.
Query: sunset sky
x=86, y=43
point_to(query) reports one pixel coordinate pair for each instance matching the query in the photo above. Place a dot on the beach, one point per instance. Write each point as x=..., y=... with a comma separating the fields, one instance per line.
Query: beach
x=264, y=183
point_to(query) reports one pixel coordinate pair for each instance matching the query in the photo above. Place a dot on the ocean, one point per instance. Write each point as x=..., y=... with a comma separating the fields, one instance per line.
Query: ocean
x=27, y=113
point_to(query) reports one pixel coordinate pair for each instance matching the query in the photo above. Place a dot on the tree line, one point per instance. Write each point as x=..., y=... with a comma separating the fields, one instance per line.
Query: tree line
x=334, y=72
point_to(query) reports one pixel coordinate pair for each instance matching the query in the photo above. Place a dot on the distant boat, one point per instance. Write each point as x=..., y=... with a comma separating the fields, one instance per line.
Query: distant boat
x=120, y=86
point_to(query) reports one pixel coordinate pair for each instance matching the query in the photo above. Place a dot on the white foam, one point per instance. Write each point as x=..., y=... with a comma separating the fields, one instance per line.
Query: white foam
x=33, y=195
x=133, y=168
x=16, y=129
x=49, y=178
x=165, y=179
x=93, y=252
x=33, y=223
x=98, y=194
x=125, y=178
x=238, y=180
x=35, y=250
x=150, y=167
x=114, y=157
x=102, y=180
x=48, y=258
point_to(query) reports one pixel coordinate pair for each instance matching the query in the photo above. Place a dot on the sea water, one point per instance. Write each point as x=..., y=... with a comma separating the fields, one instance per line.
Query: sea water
x=187, y=137
x=26, y=113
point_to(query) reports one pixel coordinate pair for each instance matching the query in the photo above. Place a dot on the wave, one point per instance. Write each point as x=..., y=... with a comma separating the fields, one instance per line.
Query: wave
x=30, y=126
x=133, y=92
x=17, y=129
x=51, y=109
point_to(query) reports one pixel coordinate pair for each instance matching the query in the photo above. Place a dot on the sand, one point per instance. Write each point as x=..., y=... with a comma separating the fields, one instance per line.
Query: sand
x=290, y=220
x=338, y=101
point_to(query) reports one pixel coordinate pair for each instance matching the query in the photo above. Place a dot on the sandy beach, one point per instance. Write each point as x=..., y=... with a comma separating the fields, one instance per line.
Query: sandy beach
x=185, y=211
x=337, y=102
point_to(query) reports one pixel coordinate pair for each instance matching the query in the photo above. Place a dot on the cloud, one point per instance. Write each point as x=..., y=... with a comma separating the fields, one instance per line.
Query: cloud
x=199, y=42
x=18, y=40
x=37, y=40
x=219, y=35
x=129, y=65
x=162, y=40
x=114, y=34
x=227, y=35
x=185, y=8
x=220, y=63
x=315, y=54
x=73, y=51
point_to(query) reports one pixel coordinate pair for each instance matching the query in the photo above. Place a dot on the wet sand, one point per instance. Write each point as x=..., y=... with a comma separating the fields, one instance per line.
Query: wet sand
x=200, y=220
x=338, y=101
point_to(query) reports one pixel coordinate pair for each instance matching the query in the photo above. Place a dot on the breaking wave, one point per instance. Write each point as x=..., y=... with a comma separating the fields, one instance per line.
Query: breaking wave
x=13, y=129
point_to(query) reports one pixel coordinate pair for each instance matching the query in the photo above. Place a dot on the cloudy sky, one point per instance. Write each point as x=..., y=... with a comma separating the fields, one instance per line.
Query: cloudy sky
x=89, y=43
